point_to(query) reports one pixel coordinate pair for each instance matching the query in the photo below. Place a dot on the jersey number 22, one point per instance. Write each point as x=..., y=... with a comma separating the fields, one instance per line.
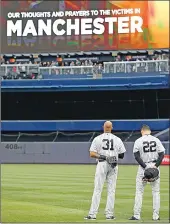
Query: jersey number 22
x=149, y=146
x=108, y=144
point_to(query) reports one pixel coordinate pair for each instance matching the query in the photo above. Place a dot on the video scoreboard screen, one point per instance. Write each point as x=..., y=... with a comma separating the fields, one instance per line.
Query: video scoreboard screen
x=71, y=26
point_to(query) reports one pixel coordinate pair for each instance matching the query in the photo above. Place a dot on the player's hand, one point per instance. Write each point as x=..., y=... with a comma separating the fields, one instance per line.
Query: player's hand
x=144, y=179
x=155, y=167
x=149, y=165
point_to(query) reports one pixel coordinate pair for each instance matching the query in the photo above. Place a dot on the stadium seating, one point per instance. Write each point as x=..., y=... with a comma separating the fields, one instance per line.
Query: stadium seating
x=109, y=70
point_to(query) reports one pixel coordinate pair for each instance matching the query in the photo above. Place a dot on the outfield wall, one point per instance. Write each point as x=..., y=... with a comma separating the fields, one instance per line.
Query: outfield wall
x=69, y=153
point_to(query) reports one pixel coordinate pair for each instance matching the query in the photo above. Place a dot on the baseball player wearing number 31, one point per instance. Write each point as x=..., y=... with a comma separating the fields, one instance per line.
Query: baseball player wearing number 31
x=107, y=149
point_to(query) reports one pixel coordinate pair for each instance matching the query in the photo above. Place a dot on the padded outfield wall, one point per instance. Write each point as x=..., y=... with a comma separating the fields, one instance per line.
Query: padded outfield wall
x=66, y=153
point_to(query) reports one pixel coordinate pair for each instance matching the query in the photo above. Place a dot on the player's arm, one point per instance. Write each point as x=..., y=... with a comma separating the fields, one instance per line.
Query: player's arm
x=122, y=150
x=97, y=156
x=137, y=155
x=94, y=151
x=161, y=152
x=160, y=158
x=121, y=155
x=139, y=160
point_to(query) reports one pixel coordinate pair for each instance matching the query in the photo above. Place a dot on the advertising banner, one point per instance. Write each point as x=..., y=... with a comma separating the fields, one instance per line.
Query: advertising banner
x=71, y=26
x=166, y=160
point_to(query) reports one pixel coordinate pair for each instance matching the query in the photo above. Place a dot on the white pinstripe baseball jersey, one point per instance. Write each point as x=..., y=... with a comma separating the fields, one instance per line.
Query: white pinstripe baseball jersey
x=149, y=147
x=107, y=144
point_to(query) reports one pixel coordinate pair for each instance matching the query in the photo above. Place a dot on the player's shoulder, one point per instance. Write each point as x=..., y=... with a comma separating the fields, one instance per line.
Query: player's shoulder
x=116, y=137
x=151, y=137
x=155, y=138
x=144, y=138
x=138, y=140
x=97, y=138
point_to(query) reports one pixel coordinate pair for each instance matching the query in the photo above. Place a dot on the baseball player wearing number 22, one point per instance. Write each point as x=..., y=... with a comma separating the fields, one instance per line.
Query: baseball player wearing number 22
x=149, y=153
x=107, y=149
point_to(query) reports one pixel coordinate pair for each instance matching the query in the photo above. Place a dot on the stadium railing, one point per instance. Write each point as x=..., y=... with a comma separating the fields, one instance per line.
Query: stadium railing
x=5, y=68
x=109, y=68
x=67, y=70
x=78, y=130
x=136, y=66
x=58, y=136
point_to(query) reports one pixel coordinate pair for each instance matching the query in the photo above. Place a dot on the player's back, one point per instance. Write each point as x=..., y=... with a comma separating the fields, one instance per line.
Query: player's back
x=149, y=147
x=108, y=144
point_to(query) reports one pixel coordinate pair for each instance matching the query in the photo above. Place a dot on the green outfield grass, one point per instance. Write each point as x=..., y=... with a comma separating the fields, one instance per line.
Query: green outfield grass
x=62, y=193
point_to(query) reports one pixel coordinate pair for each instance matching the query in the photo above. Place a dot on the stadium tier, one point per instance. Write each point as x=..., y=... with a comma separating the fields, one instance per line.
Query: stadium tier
x=113, y=75
x=108, y=69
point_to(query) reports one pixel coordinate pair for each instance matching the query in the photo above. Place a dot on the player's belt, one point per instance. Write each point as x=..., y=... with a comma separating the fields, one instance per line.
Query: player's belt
x=154, y=161
x=101, y=160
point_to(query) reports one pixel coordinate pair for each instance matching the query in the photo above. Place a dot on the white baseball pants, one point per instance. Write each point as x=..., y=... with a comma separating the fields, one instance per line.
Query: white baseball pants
x=140, y=185
x=104, y=172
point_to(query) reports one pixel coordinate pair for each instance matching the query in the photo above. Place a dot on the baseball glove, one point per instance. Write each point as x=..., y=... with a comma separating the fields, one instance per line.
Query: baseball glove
x=151, y=174
x=112, y=161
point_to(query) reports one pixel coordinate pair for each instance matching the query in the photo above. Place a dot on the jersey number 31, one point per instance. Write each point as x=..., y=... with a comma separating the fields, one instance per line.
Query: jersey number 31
x=149, y=146
x=108, y=144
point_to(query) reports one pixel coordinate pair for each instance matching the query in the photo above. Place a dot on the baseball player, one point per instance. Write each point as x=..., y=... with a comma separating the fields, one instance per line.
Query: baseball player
x=107, y=149
x=149, y=153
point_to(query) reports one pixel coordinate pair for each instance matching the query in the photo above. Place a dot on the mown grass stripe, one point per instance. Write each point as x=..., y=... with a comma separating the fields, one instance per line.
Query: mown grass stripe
x=62, y=193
